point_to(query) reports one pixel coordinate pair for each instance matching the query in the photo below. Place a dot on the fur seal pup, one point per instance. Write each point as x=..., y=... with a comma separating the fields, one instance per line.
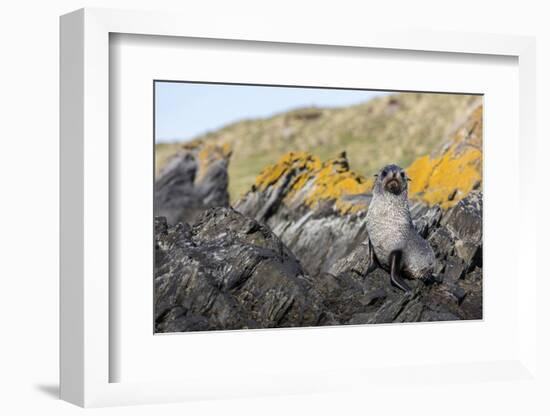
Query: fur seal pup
x=397, y=245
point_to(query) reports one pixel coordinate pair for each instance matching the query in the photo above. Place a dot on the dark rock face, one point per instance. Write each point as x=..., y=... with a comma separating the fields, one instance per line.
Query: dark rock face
x=295, y=252
x=183, y=192
x=461, y=254
x=229, y=272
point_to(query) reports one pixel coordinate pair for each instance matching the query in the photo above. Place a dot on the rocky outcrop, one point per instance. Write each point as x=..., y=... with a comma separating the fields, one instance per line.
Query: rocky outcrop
x=318, y=208
x=455, y=290
x=294, y=251
x=229, y=272
x=451, y=174
x=192, y=181
x=303, y=201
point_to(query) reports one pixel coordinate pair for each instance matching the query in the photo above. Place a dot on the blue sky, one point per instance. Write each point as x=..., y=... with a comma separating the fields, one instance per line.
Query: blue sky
x=186, y=110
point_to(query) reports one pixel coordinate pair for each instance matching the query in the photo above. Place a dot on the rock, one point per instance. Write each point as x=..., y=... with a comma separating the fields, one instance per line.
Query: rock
x=469, y=252
x=212, y=186
x=320, y=242
x=193, y=180
x=411, y=312
x=392, y=311
x=360, y=318
x=454, y=270
x=326, y=231
x=472, y=304
x=425, y=218
x=442, y=241
x=465, y=219
x=294, y=251
x=459, y=293
x=360, y=261
x=228, y=272
x=304, y=202
x=430, y=315
x=299, y=182
x=450, y=175
x=175, y=189
x=375, y=296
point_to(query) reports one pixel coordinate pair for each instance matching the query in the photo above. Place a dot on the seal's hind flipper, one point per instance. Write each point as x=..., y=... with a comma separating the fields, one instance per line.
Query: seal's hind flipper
x=395, y=268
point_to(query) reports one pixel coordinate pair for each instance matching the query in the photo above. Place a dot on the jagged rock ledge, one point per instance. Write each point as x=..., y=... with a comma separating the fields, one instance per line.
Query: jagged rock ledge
x=230, y=271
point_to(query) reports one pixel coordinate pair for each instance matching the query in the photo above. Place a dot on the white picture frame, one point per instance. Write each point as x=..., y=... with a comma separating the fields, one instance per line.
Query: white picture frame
x=85, y=353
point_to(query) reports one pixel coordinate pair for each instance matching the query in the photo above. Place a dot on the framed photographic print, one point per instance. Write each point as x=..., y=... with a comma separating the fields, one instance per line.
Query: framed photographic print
x=274, y=213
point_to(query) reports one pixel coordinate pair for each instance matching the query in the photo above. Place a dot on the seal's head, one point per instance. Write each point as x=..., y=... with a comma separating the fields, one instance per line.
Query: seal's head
x=391, y=179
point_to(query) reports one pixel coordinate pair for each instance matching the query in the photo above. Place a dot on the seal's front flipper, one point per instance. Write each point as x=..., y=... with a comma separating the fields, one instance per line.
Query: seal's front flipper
x=373, y=261
x=395, y=267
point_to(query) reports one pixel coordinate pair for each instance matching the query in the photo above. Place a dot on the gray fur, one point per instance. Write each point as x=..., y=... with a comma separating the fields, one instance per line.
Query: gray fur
x=390, y=226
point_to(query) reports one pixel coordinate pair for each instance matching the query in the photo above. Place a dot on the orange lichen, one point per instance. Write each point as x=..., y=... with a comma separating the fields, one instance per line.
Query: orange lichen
x=296, y=163
x=333, y=181
x=449, y=177
x=442, y=179
x=419, y=173
x=309, y=182
x=453, y=178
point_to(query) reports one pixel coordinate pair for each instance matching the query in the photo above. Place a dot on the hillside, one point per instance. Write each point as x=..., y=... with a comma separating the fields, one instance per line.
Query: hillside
x=397, y=128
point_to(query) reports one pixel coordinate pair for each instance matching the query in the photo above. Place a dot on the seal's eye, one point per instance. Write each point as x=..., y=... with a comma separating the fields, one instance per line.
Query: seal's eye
x=403, y=174
x=384, y=173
